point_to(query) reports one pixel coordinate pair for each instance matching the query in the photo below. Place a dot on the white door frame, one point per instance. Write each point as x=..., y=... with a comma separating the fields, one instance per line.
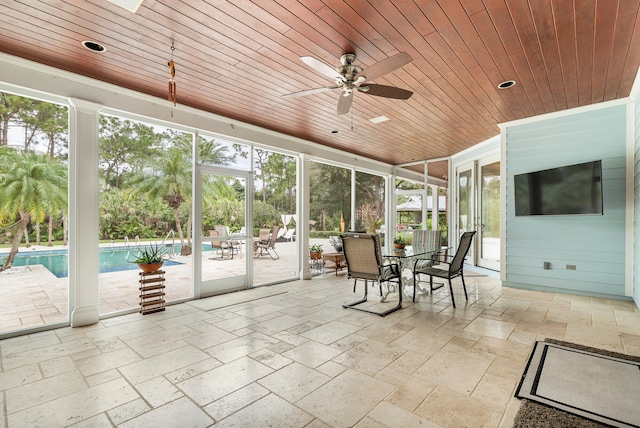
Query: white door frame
x=222, y=285
x=480, y=261
x=470, y=222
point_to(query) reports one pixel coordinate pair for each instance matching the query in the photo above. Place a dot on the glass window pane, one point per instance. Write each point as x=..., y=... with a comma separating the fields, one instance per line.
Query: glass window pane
x=370, y=199
x=490, y=182
x=34, y=286
x=145, y=201
x=274, y=204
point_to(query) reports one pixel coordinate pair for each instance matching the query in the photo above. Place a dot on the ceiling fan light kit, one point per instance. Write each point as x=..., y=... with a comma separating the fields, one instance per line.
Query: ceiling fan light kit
x=351, y=78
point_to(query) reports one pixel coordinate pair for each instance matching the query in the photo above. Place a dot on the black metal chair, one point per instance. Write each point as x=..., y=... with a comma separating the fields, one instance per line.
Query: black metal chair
x=456, y=263
x=363, y=257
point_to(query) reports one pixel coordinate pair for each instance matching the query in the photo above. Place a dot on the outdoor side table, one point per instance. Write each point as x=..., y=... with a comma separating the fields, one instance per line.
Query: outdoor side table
x=336, y=260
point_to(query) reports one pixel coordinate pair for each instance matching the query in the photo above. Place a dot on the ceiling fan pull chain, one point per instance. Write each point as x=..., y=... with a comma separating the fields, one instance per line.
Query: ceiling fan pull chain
x=352, y=109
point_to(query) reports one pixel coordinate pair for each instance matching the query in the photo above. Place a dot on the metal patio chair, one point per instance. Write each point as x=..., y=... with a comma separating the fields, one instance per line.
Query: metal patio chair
x=454, y=270
x=363, y=257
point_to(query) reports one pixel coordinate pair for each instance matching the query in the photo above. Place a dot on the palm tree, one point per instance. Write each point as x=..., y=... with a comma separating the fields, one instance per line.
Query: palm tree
x=169, y=179
x=32, y=186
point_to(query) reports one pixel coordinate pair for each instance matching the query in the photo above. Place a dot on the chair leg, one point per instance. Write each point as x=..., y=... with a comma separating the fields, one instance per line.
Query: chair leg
x=451, y=291
x=415, y=284
x=274, y=252
x=464, y=287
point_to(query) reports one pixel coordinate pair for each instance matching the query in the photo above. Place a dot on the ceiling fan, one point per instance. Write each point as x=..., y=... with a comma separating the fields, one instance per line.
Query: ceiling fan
x=350, y=78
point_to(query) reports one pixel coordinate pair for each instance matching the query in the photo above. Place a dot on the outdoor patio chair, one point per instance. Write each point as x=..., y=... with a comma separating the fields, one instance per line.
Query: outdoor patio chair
x=363, y=257
x=223, y=231
x=454, y=270
x=221, y=247
x=268, y=247
x=426, y=238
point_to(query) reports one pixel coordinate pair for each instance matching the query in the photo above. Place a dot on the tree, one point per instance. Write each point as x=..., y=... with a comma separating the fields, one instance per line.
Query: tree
x=330, y=194
x=123, y=143
x=49, y=121
x=10, y=108
x=280, y=171
x=32, y=186
x=169, y=179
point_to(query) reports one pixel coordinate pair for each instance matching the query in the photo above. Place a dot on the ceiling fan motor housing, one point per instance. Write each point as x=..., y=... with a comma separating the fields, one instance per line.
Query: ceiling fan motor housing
x=347, y=69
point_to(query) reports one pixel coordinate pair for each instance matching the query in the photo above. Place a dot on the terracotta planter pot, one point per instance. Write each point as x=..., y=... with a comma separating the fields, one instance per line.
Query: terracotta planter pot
x=399, y=246
x=150, y=267
x=316, y=255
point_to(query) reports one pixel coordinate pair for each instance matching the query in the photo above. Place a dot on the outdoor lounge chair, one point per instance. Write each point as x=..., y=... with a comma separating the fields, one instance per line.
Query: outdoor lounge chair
x=455, y=268
x=363, y=256
x=290, y=234
x=268, y=246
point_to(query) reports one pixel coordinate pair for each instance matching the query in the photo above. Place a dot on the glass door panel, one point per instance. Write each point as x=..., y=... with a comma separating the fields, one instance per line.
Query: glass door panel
x=223, y=251
x=274, y=218
x=466, y=207
x=489, y=231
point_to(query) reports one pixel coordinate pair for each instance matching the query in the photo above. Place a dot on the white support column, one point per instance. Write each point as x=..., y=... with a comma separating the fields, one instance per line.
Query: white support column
x=435, y=206
x=84, y=299
x=304, y=211
x=425, y=196
x=390, y=208
x=352, y=225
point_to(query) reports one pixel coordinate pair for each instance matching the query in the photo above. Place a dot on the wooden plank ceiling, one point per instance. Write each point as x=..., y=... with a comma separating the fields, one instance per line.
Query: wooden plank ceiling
x=237, y=58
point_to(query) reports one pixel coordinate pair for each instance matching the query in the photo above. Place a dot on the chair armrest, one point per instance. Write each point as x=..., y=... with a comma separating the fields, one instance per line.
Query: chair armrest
x=395, y=268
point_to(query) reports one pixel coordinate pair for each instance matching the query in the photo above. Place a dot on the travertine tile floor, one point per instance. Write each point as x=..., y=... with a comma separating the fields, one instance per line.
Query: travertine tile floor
x=290, y=355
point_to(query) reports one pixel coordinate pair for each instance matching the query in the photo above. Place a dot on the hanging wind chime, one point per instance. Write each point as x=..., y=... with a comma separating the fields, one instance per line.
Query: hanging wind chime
x=172, y=79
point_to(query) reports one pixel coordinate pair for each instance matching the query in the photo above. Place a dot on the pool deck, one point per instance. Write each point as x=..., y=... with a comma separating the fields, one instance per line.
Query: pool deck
x=32, y=296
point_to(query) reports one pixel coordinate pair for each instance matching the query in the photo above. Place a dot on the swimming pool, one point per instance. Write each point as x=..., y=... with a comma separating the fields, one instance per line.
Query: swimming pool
x=112, y=259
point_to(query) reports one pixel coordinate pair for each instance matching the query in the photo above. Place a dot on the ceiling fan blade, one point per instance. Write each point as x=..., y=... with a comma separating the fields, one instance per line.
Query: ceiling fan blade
x=386, y=91
x=322, y=67
x=309, y=92
x=344, y=103
x=385, y=66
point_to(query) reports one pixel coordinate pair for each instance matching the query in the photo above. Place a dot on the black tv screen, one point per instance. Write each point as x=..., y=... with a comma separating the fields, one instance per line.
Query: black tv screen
x=572, y=189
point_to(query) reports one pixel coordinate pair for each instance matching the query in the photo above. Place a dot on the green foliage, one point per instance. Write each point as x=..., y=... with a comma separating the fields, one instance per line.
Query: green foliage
x=401, y=239
x=31, y=183
x=153, y=253
x=315, y=248
x=264, y=215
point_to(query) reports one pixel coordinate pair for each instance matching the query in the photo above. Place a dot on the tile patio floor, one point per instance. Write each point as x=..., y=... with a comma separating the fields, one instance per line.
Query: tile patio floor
x=290, y=355
x=35, y=297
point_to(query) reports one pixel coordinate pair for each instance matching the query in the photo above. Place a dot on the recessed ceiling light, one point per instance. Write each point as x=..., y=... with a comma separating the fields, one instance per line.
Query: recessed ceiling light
x=379, y=119
x=130, y=5
x=93, y=46
x=506, y=84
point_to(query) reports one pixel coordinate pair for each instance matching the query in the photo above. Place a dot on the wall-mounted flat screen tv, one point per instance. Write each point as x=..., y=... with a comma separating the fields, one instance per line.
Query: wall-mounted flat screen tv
x=572, y=189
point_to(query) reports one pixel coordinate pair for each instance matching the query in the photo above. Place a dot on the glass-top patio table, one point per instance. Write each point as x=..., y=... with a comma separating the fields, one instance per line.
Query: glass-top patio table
x=406, y=259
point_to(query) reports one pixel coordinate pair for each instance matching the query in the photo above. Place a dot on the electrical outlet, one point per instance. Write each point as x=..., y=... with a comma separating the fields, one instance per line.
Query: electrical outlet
x=547, y=265
x=571, y=267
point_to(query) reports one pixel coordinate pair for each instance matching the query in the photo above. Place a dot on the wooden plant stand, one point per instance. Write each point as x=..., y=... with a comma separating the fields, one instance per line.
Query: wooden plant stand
x=151, y=292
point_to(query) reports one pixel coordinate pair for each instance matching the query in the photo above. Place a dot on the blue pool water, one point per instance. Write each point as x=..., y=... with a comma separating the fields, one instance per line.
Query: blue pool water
x=112, y=259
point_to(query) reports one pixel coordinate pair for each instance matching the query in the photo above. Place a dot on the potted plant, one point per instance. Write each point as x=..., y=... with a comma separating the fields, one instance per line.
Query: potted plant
x=315, y=251
x=399, y=242
x=150, y=258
